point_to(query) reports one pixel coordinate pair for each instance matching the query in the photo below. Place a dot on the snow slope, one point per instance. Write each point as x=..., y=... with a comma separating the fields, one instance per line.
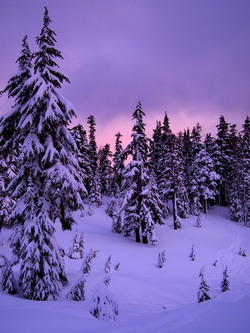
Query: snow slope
x=150, y=299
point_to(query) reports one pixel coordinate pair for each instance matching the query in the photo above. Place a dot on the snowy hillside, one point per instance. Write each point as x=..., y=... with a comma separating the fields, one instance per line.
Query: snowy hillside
x=150, y=299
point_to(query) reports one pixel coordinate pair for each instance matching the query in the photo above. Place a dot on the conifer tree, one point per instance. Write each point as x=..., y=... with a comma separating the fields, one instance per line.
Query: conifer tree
x=156, y=150
x=10, y=139
x=203, y=293
x=203, y=181
x=244, y=173
x=161, y=259
x=107, y=265
x=105, y=169
x=76, y=251
x=47, y=185
x=222, y=159
x=88, y=260
x=198, y=220
x=137, y=191
x=95, y=196
x=192, y=254
x=225, y=282
x=118, y=164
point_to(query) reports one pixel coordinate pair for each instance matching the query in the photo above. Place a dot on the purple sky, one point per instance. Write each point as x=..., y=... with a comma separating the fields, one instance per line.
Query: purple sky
x=190, y=58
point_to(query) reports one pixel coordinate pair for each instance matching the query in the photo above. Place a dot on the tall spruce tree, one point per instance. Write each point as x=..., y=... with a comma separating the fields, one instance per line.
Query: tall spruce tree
x=118, y=164
x=222, y=159
x=10, y=143
x=138, y=194
x=105, y=169
x=95, y=196
x=47, y=185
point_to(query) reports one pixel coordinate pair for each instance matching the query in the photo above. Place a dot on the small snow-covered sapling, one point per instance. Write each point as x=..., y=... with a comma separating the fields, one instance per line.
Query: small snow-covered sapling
x=117, y=266
x=76, y=251
x=203, y=293
x=161, y=259
x=192, y=254
x=242, y=252
x=87, y=263
x=103, y=305
x=225, y=282
x=198, y=221
x=107, y=265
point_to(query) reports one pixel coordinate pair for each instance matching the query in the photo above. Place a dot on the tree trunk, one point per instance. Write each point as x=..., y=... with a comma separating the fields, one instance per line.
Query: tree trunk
x=137, y=235
x=144, y=237
x=177, y=224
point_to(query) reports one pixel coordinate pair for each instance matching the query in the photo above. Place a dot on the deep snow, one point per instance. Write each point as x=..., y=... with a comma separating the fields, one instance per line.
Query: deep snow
x=150, y=299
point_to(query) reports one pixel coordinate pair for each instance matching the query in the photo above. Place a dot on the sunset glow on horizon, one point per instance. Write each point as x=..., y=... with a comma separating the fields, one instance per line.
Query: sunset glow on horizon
x=187, y=58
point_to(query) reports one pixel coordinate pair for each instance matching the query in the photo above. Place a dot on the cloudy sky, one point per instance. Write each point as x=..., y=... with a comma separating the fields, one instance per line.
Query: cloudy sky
x=190, y=58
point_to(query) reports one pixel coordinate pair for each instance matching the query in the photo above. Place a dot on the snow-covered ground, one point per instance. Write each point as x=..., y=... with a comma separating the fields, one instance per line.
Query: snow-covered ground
x=150, y=299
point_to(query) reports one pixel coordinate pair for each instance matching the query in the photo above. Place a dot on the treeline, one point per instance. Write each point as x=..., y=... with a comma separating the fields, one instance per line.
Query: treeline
x=183, y=169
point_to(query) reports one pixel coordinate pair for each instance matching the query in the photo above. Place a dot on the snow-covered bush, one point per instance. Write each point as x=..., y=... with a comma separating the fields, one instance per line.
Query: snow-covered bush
x=242, y=252
x=103, y=305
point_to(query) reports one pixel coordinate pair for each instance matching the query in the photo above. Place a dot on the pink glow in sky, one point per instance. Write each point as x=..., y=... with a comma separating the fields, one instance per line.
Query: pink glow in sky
x=187, y=57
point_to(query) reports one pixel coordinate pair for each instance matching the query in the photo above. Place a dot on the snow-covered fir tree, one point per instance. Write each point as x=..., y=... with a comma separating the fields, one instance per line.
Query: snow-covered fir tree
x=103, y=304
x=204, y=289
x=151, y=207
x=203, y=181
x=196, y=139
x=198, y=220
x=137, y=190
x=161, y=259
x=118, y=164
x=6, y=276
x=221, y=159
x=107, y=267
x=47, y=185
x=117, y=220
x=10, y=140
x=77, y=292
x=163, y=170
x=244, y=173
x=88, y=261
x=95, y=187
x=225, y=282
x=192, y=254
x=77, y=248
x=111, y=207
x=156, y=150
x=105, y=169
x=95, y=191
